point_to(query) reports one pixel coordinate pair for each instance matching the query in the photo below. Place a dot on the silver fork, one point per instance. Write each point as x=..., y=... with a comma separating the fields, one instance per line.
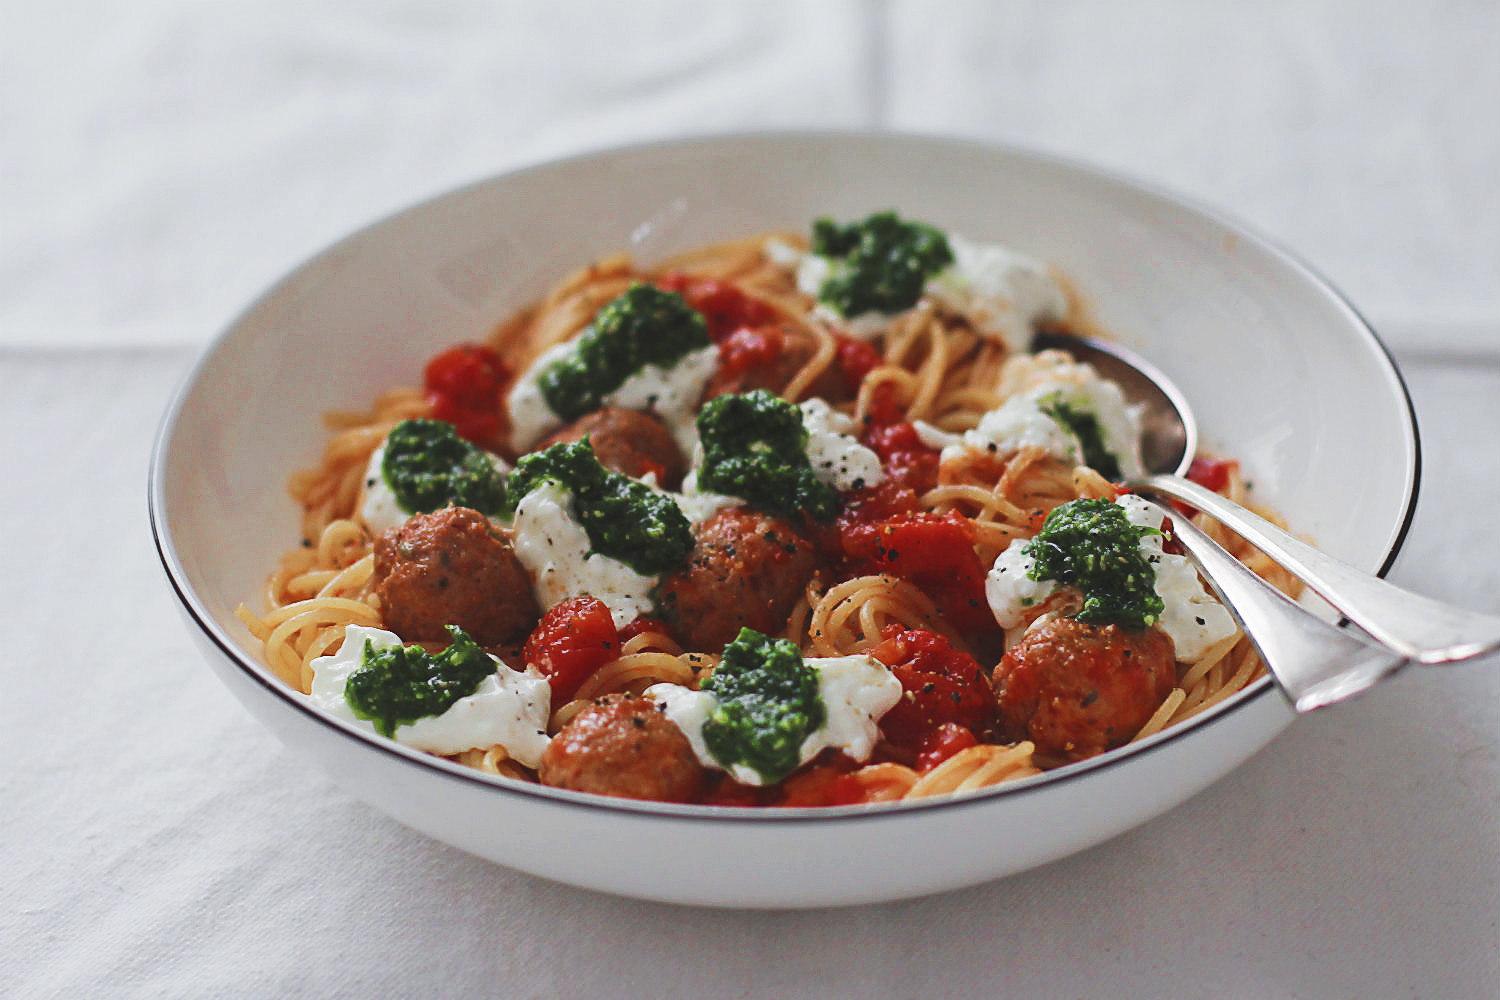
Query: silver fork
x=1313, y=661
x=1418, y=627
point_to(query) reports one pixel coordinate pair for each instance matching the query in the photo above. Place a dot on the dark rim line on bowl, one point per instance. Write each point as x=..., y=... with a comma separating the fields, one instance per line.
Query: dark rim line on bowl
x=545, y=794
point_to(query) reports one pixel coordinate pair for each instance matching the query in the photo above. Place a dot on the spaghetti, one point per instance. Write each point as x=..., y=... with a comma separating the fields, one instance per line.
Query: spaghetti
x=929, y=367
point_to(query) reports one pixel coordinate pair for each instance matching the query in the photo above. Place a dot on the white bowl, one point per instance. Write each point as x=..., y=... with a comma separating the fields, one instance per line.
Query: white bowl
x=1284, y=375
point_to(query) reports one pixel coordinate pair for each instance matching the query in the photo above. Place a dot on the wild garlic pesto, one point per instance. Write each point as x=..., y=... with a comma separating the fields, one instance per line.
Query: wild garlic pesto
x=625, y=519
x=754, y=446
x=1091, y=546
x=757, y=721
x=1000, y=293
x=1194, y=620
x=645, y=350
x=423, y=466
x=503, y=707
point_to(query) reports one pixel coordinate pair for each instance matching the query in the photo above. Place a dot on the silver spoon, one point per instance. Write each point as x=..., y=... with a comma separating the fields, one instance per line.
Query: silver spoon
x=1415, y=627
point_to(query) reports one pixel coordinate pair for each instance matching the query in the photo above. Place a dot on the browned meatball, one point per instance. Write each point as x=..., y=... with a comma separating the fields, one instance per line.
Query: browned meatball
x=1076, y=690
x=746, y=571
x=629, y=442
x=623, y=745
x=452, y=567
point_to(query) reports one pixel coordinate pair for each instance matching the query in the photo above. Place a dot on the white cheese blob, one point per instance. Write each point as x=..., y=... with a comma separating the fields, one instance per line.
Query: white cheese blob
x=698, y=506
x=509, y=708
x=556, y=551
x=1192, y=617
x=1003, y=294
x=812, y=271
x=836, y=455
x=379, y=509
x=531, y=417
x=1009, y=588
x=1021, y=422
x=671, y=392
x=856, y=692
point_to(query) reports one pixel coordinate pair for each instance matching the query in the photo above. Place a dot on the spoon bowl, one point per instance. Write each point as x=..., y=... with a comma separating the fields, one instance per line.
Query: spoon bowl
x=1169, y=434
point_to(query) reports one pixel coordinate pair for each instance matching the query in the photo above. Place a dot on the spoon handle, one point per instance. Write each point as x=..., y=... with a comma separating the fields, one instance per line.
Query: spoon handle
x=1414, y=626
x=1314, y=662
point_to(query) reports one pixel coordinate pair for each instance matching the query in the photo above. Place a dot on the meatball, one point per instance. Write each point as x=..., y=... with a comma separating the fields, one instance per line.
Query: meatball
x=452, y=567
x=746, y=571
x=623, y=745
x=629, y=442
x=1076, y=690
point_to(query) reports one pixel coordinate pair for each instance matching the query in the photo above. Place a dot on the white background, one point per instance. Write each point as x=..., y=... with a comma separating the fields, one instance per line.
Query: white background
x=161, y=161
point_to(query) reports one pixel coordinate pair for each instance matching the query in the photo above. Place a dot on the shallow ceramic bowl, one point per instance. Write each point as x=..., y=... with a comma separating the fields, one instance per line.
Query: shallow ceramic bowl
x=1284, y=374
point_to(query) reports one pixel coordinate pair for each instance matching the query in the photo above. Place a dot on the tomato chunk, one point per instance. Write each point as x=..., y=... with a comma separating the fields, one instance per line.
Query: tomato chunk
x=571, y=642
x=855, y=359
x=640, y=625
x=826, y=781
x=749, y=348
x=942, y=686
x=942, y=743
x=933, y=551
x=724, y=307
x=1211, y=473
x=463, y=385
x=903, y=454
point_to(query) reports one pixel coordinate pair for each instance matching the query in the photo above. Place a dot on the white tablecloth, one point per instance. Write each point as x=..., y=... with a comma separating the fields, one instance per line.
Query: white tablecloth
x=163, y=160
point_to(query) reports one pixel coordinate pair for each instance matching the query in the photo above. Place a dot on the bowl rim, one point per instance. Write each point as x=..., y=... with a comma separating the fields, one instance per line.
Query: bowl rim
x=1254, y=694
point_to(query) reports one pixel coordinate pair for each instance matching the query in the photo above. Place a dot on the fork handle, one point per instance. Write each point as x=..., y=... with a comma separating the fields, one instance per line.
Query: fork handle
x=1415, y=626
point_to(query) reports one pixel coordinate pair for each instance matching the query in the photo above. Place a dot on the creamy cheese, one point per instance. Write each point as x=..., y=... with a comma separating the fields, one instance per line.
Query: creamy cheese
x=812, y=270
x=1020, y=422
x=836, y=455
x=556, y=551
x=509, y=708
x=671, y=392
x=530, y=415
x=1193, y=618
x=698, y=506
x=856, y=692
x=379, y=508
x=1003, y=294
x=1009, y=588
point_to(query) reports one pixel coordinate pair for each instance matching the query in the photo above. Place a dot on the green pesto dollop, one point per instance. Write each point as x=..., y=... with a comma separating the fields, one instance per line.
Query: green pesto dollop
x=625, y=519
x=1091, y=545
x=755, y=448
x=428, y=467
x=769, y=704
x=880, y=264
x=643, y=326
x=1083, y=424
x=401, y=684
